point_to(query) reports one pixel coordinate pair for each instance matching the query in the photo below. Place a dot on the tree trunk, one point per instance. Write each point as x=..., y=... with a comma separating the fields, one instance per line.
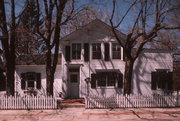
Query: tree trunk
x=10, y=69
x=50, y=76
x=128, y=76
x=8, y=40
x=50, y=83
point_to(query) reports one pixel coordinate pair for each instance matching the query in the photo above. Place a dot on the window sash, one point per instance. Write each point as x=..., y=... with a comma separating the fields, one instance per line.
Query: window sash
x=116, y=51
x=162, y=80
x=76, y=51
x=106, y=79
x=30, y=80
x=96, y=51
x=30, y=84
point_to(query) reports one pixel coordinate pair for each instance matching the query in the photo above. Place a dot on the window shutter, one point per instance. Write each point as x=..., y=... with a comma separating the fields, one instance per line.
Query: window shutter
x=170, y=80
x=120, y=80
x=67, y=53
x=153, y=80
x=106, y=52
x=38, y=80
x=2, y=81
x=86, y=52
x=23, y=78
x=93, y=81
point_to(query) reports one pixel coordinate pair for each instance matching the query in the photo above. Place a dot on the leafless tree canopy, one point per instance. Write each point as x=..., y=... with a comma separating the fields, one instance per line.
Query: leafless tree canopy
x=150, y=17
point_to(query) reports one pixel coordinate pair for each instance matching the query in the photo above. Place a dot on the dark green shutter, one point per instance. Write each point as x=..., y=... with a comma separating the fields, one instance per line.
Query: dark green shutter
x=86, y=52
x=120, y=80
x=170, y=80
x=67, y=53
x=106, y=52
x=93, y=81
x=23, y=78
x=38, y=81
x=154, y=80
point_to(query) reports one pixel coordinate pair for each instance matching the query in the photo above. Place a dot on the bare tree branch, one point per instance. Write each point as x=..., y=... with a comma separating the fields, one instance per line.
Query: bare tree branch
x=70, y=14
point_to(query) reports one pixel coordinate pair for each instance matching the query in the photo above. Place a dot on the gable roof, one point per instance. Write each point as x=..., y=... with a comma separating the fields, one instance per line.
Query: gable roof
x=38, y=59
x=95, y=23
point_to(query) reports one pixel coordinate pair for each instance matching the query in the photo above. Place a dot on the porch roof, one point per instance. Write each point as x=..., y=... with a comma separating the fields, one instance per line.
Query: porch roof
x=38, y=59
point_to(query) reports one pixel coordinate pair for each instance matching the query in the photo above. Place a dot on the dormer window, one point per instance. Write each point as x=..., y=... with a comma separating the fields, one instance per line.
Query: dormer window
x=76, y=51
x=96, y=51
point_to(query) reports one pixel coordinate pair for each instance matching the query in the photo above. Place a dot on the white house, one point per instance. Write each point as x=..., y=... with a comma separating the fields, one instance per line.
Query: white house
x=92, y=63
x=93, y=52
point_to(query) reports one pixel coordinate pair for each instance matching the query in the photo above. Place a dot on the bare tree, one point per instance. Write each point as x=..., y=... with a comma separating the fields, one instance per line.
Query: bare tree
x=27, y=42
x=85, y=15
x=54, y=15
x=169, y=39
x=151, y=18
x=8, y=38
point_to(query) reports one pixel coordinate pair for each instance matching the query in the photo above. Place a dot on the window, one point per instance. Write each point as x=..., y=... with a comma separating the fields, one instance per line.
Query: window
x=74, y=78
x=30, y=80
x=96, y=51
x=107, y=79
x=76, y=51
x=116, y=51
x=111, y=79
x=161, y=79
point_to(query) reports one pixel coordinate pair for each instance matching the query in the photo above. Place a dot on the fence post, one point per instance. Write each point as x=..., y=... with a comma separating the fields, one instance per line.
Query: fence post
x=177, y=99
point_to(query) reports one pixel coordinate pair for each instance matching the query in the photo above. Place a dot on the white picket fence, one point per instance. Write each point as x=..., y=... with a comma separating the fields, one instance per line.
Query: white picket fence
x=132, y=101
x=28, y=102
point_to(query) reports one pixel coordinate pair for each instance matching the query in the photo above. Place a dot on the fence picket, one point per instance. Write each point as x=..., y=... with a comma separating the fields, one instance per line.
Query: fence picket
x=27, y=102
x=127, y=101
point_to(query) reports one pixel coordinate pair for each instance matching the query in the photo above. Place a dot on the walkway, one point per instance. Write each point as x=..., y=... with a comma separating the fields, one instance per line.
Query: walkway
x=81, y=114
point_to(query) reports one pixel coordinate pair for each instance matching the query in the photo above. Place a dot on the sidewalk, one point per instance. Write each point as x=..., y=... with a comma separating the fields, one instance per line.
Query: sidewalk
x=81, y=114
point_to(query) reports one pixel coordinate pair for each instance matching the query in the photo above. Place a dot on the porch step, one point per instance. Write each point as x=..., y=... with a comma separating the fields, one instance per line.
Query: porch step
x=73, y=103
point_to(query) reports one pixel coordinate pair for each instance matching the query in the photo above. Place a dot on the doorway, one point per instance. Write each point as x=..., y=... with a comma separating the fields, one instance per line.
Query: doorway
x=74, y=82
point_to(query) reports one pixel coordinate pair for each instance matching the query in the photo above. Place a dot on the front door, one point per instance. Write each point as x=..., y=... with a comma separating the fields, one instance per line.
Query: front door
x=74, y=84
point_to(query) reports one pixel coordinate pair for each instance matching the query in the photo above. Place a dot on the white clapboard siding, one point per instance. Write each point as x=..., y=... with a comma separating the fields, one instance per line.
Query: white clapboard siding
x=28, y=102
x=132, y=101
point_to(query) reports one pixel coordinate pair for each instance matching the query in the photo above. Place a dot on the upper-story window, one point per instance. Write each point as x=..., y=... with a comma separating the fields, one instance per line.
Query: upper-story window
x=96, y=51
x=116, y=51
x=76, y=51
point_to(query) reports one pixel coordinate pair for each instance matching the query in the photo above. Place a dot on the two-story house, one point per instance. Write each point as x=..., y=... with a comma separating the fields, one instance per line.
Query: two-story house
x=92, y=54
x=91, y=63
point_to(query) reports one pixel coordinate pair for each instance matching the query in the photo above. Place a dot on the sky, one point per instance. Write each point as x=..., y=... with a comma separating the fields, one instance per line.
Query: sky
x=104, y=7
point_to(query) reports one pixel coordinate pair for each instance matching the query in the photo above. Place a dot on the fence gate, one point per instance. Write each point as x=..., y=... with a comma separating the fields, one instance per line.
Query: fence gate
x=28, y=102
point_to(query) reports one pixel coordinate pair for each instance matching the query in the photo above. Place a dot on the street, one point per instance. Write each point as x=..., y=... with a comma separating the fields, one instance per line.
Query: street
x=81, y=114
